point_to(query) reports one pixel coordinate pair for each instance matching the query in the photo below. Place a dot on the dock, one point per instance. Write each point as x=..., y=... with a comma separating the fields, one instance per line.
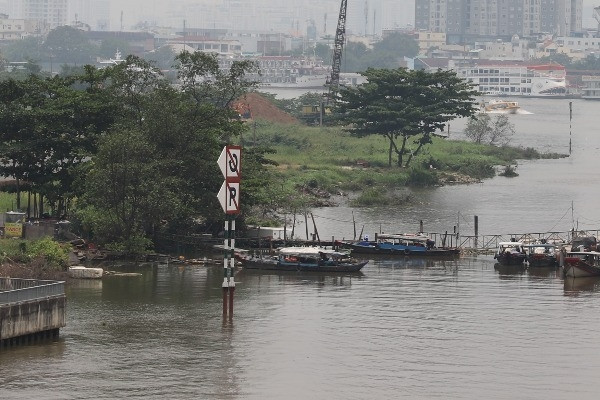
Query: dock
x=31, y=310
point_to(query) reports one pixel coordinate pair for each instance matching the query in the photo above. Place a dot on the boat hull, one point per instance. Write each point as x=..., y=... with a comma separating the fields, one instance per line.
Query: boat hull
x=412, y=251
x=580, y=269
x=542, y=262
x=276, y=265
x=510, y=258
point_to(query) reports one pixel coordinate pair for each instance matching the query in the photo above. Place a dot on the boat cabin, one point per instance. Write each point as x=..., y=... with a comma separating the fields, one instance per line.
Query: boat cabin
x=540, y=248
x=589, y=257
x=510, y=247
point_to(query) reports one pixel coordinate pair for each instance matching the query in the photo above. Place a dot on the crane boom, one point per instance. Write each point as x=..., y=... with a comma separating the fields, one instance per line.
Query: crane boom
x=340, y=34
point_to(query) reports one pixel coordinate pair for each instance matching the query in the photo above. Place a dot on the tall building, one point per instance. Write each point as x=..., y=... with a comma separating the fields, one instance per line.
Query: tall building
x=464, y=20
x=53, y=12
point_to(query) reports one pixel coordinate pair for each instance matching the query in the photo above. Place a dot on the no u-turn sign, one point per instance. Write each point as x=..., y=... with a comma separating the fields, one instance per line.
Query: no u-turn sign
x=230, y=163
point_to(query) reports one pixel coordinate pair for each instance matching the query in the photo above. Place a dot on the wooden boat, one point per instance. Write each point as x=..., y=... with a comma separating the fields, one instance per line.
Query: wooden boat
x=308, y=259
x=582, y=264
x=405, y=244
x=541, y=255
x=510, y=253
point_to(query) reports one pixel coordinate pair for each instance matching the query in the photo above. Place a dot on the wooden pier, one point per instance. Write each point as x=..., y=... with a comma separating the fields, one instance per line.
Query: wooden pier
x=30, y=310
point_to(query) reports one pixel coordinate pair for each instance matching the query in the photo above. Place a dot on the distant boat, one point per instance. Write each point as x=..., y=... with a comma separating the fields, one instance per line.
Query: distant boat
x=112, y=61
x=405, y=244
x=541, y=255
x=306, y=259
x=500, y=106
x=510, y=253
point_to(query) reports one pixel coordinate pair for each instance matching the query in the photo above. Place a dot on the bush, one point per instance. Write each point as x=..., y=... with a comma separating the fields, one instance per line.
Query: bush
x=422, y=177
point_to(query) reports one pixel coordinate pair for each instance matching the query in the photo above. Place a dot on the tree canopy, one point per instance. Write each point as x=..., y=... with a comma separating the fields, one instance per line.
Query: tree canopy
x=407, y=107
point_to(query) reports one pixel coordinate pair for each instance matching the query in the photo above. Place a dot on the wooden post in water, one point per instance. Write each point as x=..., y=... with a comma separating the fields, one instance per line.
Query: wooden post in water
x=570, y=119
x=315, y=227
x=476, y=218
x=421, y=226
x=354, y=225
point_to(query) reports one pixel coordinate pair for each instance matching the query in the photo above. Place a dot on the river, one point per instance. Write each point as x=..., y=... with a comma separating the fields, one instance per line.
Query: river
x=402, y=329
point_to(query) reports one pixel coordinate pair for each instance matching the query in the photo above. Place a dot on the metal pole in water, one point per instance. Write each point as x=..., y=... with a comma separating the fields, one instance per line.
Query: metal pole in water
x=570, y=119
x=476, y=229
x=225, y=284
x=231, y=269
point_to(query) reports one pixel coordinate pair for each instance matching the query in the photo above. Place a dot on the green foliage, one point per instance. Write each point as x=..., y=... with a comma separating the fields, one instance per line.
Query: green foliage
x=53, y=255
x=509, y=171
x=422, y=177
x=66, y=44
x=388, y=53
x=406, y=107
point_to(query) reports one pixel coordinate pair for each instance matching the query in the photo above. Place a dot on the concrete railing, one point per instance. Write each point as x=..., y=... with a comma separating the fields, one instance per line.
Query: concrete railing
x=15, y=290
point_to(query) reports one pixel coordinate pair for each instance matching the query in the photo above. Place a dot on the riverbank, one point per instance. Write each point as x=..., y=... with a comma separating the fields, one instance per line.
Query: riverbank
x=328, y=160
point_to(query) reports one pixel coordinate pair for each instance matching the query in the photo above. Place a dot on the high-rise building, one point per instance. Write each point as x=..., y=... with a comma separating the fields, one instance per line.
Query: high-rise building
x=53, y=12
x=463, y=20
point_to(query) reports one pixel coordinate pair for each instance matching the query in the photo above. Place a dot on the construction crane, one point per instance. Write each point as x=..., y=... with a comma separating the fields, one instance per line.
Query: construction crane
x=340, y=34
x=597, y=16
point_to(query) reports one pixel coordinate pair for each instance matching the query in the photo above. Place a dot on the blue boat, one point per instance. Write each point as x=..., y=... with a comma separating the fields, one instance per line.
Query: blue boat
x=402, y=244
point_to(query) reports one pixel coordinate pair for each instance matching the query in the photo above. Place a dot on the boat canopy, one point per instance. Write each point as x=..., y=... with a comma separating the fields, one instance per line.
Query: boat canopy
x=544, y=245
x=510, y=244
x=583, y=253
x=308, y=251
x=404, y=236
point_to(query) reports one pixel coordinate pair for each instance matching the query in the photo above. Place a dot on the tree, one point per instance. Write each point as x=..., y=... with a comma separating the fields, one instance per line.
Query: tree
x=482, y=129
x=324, y=53
x=405, y=106
x=66, y=44
x=28, y=48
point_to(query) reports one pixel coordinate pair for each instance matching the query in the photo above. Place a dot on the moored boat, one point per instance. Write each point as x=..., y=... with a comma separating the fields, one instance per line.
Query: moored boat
x=510, y=253
x=582, y=264
x=405, y=244
x=541, y=255
x=308, y=259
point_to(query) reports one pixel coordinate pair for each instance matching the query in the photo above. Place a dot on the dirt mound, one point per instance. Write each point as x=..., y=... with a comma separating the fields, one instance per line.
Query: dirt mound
x=261, y=108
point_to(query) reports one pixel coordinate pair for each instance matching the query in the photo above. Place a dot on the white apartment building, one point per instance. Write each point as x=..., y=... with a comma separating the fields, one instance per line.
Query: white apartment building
x=53, y=12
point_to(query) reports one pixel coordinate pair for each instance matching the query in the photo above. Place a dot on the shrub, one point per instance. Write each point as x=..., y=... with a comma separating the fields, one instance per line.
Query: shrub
x=422, y=177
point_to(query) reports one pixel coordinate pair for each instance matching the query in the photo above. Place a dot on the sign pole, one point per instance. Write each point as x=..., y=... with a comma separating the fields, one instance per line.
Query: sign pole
x=229, y=197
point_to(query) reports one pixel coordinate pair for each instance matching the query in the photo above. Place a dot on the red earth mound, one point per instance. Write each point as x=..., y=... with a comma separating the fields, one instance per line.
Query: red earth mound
x=261, y=108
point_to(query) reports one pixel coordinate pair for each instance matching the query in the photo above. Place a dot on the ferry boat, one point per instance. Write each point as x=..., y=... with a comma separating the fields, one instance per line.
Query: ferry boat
x=501, y=106
x=513, y=79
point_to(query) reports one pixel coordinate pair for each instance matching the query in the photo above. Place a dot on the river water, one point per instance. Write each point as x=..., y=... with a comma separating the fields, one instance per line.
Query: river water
x=403, y=328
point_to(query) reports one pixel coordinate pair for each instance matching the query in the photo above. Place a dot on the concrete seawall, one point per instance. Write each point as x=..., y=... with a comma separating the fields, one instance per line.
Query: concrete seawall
x=35, y=311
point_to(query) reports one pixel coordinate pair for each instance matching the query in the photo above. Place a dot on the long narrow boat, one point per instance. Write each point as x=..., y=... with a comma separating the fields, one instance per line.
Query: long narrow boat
x=402, y=244
x=582, y=264
x=307, y=259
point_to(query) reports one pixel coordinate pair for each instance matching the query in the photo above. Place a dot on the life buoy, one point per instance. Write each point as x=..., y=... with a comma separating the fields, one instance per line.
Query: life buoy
x=406, y=251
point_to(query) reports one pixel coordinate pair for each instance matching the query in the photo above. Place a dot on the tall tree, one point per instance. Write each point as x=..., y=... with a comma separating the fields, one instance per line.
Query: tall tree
x=407, y=107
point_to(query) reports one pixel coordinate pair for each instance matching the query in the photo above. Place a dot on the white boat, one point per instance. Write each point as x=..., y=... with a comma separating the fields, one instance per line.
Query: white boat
x=516, y=79
x=501, y=106
x=580, y=264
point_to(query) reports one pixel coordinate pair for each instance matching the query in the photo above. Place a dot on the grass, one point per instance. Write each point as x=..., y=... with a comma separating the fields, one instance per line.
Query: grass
x=7, y=201
x=335, y=161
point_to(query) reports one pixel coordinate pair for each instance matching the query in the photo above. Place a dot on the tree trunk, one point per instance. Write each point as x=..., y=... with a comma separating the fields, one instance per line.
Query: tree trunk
x=18, y=182
x=412, y=155
x=390, y=150
x=401, y=151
